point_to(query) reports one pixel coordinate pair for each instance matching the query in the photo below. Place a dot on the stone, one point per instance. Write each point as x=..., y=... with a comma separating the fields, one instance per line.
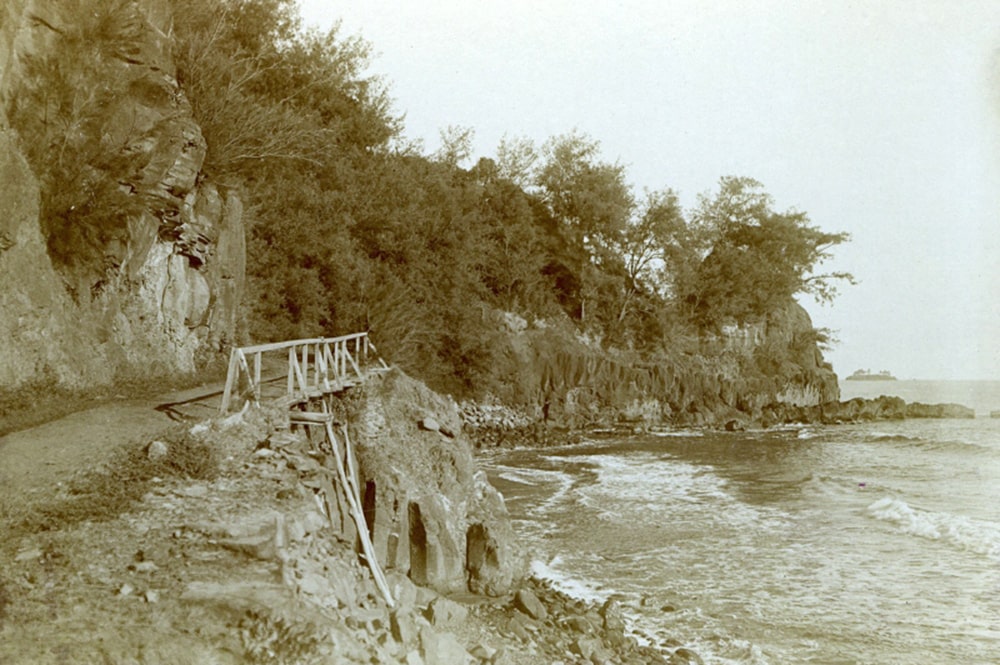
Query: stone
x=491, y=562
x=424, y=596
x=146, y=567
x=313, y=584
x=483, y=652
x=193, y=491
x=403, y=590
x=442, y=648
x=296, y=530
x=156, y=450
x=126, y=589
x=151, y=596
x=527, y=602
x=516, y=627
x=585, y=647
x=314, y=522
x=430, y=424
x=685, y=656
x=28, y=555
x=261, y=547
x=614, y=619
x=579, y=624
x=403, y=627
x=445, y=613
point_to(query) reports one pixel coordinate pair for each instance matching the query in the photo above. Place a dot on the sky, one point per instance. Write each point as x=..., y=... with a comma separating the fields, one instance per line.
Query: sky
x=880, y=118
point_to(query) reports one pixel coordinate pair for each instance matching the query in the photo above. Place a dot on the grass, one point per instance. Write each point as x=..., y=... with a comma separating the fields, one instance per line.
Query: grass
x=116, y=487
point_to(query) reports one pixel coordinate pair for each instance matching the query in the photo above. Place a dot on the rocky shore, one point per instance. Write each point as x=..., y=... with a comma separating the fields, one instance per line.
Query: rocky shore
x=242, y=557
x=497, y=426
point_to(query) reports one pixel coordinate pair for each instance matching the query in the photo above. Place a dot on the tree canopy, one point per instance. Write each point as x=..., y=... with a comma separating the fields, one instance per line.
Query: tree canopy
x=351, y=228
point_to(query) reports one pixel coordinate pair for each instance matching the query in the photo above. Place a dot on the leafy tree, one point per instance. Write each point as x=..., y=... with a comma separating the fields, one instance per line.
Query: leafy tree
x=516, y=159
x=589, y=197
x=591, y=204
x=755, y=258
x=456, y=145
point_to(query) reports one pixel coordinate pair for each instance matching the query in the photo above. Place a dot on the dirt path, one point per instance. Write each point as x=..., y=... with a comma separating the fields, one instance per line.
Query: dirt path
x=36, y=459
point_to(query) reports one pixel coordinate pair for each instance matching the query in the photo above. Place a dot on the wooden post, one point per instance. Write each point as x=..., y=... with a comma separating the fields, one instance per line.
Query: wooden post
x=230, y=378
x=354, y=501
x=256, y=376
x=292, y=364
x=246, y=368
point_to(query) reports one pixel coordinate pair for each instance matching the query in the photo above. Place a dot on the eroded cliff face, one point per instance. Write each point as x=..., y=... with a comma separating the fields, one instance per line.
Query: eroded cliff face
x=118, y=257
x=433, y=514
x=734, y=376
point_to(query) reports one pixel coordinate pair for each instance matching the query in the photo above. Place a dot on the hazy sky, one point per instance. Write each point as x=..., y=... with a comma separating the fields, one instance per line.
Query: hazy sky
x=880, y=118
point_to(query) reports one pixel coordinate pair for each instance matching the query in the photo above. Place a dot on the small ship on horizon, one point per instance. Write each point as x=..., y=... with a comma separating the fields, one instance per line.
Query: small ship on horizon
x=868, y=375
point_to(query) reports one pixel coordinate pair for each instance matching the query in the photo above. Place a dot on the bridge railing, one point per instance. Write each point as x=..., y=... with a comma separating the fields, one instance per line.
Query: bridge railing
x=315, y=366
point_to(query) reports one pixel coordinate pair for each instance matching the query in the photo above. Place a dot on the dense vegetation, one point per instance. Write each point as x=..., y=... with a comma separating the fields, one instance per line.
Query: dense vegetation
x=352, y=228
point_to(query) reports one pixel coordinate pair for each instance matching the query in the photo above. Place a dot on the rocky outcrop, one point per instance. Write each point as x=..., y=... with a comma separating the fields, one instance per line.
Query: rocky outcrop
x=862, y=410
x=432, y=514
x=565, y=383
x=119, y=257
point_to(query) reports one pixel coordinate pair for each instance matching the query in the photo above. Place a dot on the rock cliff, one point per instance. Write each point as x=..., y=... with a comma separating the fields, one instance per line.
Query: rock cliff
x=433, y=515
x=733, y=376
x=118, y=257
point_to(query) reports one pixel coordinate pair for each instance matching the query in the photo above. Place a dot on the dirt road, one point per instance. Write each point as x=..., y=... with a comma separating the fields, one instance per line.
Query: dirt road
x=36, y=459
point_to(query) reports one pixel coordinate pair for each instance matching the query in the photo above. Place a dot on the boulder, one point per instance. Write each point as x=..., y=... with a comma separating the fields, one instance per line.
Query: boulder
x=528, y=603
x=442, y=648
x=430, y=424
x=918, y=410
x=431, y=514
x=403, y=627
x=156, y=450
x=614, y=619
x=685, y=656
x=445, y=613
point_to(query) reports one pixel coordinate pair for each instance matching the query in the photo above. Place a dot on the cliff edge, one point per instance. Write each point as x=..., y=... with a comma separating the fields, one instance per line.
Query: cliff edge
x=118, y=257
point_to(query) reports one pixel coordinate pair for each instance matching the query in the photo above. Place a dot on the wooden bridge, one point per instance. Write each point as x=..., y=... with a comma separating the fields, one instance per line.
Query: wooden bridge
x=314, y=367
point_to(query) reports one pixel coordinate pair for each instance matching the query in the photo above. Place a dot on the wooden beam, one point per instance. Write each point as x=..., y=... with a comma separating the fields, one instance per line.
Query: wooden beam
x=227, y=393
x=354, y=501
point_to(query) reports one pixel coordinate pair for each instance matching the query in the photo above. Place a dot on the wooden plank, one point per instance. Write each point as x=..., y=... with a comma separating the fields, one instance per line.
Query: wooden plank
x=355, y=365
x=277, y=346
x=354, y=502
x=310, y=417
x=292, y=362
x=299, y=379
x=303, y=373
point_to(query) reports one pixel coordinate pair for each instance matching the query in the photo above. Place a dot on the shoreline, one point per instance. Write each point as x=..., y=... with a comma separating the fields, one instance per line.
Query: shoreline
x=506, y=428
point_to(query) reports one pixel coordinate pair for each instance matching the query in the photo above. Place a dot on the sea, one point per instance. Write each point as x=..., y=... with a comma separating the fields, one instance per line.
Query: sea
x=873, y=543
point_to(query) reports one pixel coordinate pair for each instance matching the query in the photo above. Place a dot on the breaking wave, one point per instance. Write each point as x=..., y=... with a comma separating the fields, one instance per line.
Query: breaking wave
x=956, y=530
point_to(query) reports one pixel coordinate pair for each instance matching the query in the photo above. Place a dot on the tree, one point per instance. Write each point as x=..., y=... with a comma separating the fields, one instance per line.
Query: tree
x=589, y=196
x=647, y=246
x=456, y=145
x=754, y=258
x=516, y=159
x=591, y=203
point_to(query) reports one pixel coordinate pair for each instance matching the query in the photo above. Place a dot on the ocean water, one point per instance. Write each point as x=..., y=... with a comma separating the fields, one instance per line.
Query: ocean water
x=853, y=544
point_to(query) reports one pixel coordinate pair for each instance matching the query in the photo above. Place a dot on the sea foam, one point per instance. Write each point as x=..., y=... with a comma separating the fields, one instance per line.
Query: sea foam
x=956, y=530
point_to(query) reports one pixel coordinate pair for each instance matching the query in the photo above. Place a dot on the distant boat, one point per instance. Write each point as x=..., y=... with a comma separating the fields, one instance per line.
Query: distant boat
x=867, y=375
